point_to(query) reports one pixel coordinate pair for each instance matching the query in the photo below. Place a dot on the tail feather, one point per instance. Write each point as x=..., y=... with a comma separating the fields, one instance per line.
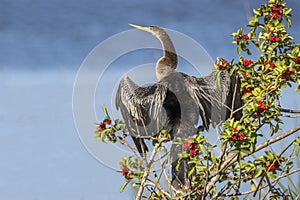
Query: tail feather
x=179, y=177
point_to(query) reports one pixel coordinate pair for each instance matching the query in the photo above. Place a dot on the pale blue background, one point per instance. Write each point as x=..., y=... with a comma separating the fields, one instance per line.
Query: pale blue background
x=42, y=44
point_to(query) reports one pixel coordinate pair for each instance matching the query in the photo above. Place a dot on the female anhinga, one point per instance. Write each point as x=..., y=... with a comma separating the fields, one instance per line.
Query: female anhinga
x=175, y=102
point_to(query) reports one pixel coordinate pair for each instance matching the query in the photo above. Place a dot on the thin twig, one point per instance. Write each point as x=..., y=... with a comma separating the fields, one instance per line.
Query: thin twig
x=146, y=173
x=262, y=187
x=233, y=158
x=147, y=169
x=289, y=110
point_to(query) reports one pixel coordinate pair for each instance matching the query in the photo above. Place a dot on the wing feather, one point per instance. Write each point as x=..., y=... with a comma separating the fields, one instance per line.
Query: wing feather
x=140, y=105
x=214, y=96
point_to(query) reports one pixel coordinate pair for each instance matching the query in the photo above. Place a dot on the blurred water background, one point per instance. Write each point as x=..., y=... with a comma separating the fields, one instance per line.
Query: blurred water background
x=42, y=45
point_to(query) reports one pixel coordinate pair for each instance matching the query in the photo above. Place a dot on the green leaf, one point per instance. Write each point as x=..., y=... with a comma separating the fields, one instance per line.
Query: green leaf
x=271, y=175
x=256, y=12
x=287, y=11
x=271, y=129
x=253, y=21
x=253, y=186
x=298, y=89
x=240, y=31
x=202, y=149
x=289, y=23
x=269, y=155
x=191, y=171
x=104, y=110
x=213, y=157
x=201, y=167
x=239, y=49
x=135, y=185
x=246, y=120
x=297, y=151
x=258, y=172
x=246, y=150
x=123, y=186
x=277, y=128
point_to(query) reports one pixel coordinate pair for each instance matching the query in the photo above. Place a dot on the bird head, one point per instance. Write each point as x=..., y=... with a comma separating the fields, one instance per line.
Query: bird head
x=154, y=30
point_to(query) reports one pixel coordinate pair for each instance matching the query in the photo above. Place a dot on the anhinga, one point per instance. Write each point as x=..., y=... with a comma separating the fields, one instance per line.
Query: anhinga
x=175, y=102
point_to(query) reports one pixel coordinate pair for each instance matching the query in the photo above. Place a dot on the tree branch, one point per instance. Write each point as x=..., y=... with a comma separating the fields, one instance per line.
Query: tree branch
x=233, y=158
x=276, y=139
x=289, y=110
x=262, y=187
x=146, y=173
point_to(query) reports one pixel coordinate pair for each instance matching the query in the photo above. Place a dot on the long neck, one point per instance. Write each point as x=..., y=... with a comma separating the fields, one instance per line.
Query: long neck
x=168, y=63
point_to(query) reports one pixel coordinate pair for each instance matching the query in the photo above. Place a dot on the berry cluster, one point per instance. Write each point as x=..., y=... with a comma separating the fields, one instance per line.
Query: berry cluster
x=242, y=37
x=274, y=165
x=261, y=106
x=247, y=90
x=247, y=63
x=103, y=124
x=274, y=38
x=223, y=64
x=277, y=11
x=270, y=63
x=193, y=149
x=287, y=74
x=126, y=173
x=237, y=135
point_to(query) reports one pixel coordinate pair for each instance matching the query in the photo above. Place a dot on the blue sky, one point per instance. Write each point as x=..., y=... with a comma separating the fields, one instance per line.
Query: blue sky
x=42, y=45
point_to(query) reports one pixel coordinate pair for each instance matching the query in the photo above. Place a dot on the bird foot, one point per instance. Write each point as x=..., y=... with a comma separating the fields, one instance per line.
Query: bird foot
x=200, y=129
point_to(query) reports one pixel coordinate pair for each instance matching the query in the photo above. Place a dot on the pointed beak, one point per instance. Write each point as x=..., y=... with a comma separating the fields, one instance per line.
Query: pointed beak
x=144, y=28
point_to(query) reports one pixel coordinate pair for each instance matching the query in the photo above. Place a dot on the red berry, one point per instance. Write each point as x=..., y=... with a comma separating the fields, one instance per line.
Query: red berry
x=124, y=171
x=276, y=11
x=108, y=122
x=192, y=152
x=276, y=8
x=262, y=106
x=276, y=15
x=245, y=37
x=233, y=137
x=198, y=177
x=247, y=90
x=274, y=38
x=270, y=63
x=289, y=72
x=241, y=137
x=259, y=102
x=297, y=60
x=130, y=175
x=270, y=167
x=235, y=130
x=273, y=166
x=247, y=62
x=101, y=126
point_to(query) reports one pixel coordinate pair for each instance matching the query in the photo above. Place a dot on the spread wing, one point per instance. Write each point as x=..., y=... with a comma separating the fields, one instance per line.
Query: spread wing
x=214, y=94
x=142, y=109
